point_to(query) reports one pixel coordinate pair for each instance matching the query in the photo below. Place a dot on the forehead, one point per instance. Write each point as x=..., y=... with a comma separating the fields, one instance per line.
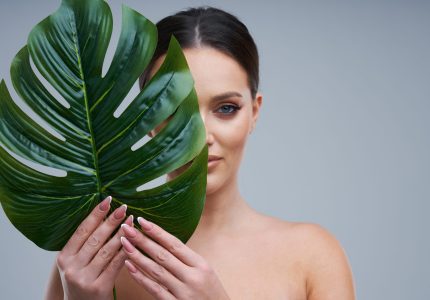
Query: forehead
x=212, y=68
x=213, y=71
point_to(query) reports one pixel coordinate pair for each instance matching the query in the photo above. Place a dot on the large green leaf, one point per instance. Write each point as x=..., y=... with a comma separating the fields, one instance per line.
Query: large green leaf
x=94, y=150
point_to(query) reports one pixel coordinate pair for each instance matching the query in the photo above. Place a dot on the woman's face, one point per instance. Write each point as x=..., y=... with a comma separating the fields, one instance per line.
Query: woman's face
x=227, y=109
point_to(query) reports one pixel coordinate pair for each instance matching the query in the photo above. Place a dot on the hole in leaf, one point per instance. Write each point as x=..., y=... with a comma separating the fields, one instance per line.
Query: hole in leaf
x=179, y=171
x=163, y=179
x=132, y=94
x=32, y=115
x=116, y=31
x=146, y=138
x=152, y=184
x=57, y=96
x=35, y=166
x=140, y=142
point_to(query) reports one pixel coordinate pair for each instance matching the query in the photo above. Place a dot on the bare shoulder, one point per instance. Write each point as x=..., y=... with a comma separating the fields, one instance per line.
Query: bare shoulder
x=313, y=239
x=302, y=234
x=320, y=255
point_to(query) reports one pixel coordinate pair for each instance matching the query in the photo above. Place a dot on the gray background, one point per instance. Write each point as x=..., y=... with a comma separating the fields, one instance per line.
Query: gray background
x=343, y=139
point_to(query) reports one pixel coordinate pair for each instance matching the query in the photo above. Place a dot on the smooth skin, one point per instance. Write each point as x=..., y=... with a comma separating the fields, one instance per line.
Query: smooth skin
x=235, y=252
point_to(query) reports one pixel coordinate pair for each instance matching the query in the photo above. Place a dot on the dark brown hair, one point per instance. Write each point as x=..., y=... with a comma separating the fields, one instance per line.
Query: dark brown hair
x=212, y=27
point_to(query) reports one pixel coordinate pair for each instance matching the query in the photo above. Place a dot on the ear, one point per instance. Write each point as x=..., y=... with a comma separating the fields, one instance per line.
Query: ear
x=256, y=105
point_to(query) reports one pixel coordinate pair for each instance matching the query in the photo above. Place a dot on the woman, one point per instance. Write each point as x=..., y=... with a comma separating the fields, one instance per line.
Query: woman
x=235, y=252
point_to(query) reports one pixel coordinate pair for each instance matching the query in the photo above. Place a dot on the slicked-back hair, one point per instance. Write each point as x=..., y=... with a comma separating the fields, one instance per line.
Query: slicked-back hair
x=209, y=27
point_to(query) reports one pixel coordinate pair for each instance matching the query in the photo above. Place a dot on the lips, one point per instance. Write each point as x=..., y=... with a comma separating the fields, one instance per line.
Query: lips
x=213, y=158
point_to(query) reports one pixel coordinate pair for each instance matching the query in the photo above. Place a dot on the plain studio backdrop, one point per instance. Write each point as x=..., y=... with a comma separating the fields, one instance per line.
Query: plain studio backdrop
x=343, y=139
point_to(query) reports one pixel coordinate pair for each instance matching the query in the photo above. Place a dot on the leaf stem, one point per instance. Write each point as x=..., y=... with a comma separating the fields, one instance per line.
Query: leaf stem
x=86, y=102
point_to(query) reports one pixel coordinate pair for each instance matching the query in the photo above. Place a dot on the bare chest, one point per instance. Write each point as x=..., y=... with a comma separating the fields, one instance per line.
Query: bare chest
x=243, y=277
x=247, y=271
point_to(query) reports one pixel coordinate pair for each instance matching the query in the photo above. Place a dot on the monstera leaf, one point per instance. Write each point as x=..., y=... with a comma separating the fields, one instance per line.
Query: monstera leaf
x=91, y=151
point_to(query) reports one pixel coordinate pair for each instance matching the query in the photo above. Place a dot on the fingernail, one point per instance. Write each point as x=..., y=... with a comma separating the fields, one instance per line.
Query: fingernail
x=130, y=220
x=120, y=212
x=128, y=230
x=146, y=225
x=127, y=245
x=104, y=205
x=130, y=266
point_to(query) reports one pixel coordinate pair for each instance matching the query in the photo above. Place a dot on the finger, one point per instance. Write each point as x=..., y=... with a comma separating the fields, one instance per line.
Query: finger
x=87, y=227
x=152, y=287
x=96, y=240
x=171, y=243
x=156, y=271
x=107, y=252
x=157, y=253
x=110, y=273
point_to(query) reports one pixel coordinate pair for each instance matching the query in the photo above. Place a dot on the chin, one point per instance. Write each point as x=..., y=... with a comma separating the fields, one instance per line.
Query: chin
x=215, y=183
x=211, y=187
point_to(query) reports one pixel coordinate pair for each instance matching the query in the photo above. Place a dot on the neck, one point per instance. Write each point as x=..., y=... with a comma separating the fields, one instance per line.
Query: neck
x=224, y=210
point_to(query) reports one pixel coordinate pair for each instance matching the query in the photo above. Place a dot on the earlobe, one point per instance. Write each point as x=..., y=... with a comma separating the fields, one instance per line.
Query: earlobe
x=256, y=105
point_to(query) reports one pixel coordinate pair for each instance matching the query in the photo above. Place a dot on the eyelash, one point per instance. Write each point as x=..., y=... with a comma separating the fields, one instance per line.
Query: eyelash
x=233, y=109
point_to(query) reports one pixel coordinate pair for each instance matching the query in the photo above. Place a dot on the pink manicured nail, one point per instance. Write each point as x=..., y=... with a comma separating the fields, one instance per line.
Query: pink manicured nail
x=146, y=225
x=130, y=266
x=127, y=245
x=128, y=230
x=120, y=212
x=104, y=205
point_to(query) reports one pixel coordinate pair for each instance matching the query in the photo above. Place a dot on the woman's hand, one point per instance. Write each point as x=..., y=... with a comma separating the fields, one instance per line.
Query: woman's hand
x=91, y=260
x=171, y=270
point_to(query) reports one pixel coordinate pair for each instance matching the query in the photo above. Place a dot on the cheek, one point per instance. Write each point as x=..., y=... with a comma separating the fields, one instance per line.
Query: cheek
x=233, y=134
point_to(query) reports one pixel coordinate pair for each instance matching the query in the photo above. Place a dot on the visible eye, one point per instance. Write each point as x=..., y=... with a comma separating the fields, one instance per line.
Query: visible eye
x=227, y=109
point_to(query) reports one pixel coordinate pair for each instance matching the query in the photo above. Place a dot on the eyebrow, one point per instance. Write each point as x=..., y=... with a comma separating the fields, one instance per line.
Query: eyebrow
x=226, y=95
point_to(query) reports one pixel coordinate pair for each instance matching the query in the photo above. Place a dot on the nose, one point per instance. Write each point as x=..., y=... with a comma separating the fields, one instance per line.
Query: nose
x=209, y=135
